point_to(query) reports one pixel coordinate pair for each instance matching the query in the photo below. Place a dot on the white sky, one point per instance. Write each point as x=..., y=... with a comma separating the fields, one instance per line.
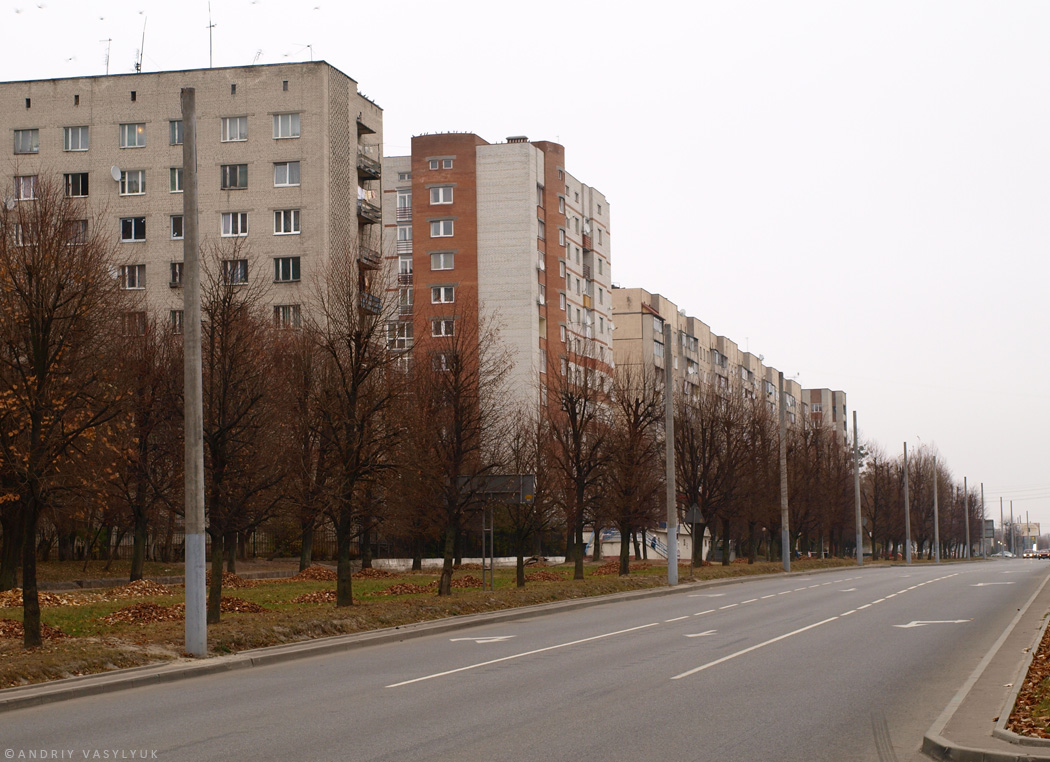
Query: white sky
x=856, y=190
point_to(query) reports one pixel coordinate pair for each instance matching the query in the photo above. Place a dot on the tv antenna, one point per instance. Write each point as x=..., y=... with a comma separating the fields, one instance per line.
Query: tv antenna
x=109, y=43
x=210, y=27
x=258, y=54
x=142, y=50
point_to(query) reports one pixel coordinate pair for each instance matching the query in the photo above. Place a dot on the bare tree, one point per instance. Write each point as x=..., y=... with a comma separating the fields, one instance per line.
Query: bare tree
x=59, y=304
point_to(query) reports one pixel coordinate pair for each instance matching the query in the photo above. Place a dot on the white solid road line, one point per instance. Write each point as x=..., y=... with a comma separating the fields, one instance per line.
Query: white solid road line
x=710, y=664
x=518, y=656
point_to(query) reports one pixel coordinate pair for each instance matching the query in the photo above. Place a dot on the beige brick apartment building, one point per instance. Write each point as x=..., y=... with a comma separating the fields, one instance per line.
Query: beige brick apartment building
x=288, y=165
x=505, y=228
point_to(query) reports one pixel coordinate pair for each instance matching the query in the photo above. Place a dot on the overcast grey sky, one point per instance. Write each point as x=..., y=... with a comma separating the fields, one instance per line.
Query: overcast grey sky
x=857, y=191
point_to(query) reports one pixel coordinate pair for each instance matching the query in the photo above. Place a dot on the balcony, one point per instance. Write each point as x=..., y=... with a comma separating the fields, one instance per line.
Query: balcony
x=404, y=214
x=369, y=259
x=362, y=128
x=368, y=213
x=587, y=242
x=371, y=303
x=587, y=302
x=404, y=247
x=405, y=311
x=587, y=272
x=368, y=165
x=404, y=279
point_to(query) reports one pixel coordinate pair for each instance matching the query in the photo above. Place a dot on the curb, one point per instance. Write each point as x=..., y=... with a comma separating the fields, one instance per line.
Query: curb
x=135, y=677
x=1000, y=730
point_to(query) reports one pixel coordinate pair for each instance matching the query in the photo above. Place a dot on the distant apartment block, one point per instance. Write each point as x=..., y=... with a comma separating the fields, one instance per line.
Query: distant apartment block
x=288, y=158
x=500, y=227
x=699, y=359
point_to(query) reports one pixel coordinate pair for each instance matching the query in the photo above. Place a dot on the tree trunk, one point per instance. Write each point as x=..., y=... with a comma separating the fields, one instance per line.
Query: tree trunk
x=637, y=547
x=111, y=545
x=645, y=547
x=138, y=547
x=417, y=554
x=519, y=571
x=30, y=597
x=230, y=546
x=445, y=585
x=725, y=542
x=10, y=549
x=578, y=549
x=597, y=555
x=306, y=550
x=215, y=587
x=365, y=544
x=344, y=572
x=625, y=553
x=752, y=545
x=699, y=529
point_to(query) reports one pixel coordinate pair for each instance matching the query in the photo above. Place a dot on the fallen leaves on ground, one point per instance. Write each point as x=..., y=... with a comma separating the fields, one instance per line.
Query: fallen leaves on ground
x=148, y=612
x=405, y=588
x=12, y=599
x=544, y=576
x=140, y=588
x=372, y=574
x=324, y=596
x=232, y=605
x=231, y=580
x=1031, y=714
x=9, y=628
x=471, y=567
x=467, y=581
x=613, y=567
x=314, y=574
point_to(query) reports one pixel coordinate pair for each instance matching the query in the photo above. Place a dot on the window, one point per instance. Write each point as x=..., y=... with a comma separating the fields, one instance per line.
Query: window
x=446, y=163
x=542, y=229
x=133, y=323
x=235, y=271
x=132, y=229
x=76, y=232
x=561, y=332
x=25, y=187
x=285, y=173
x=599, y=235
x=286, y=269
x=404, y=232
x=175, y=180
x=543, y=294
x=176, y=321
x=133, y=277
x=234, y=176
x=442, y=327
x=561, y=236
x=175, y=132
x=443, y=361
x=285, y=126
x=435, y=164
x=233, y=129
x=561, y=205
x=177, y=230
x=404, y=266
x=561, y=301
x=234, y=224
x=561, y=269
x=76, y=184
x=286, y=222
x=441, y=229
x=75, y=139
x=176, y=274
x=404, y=177
x=442, y=195
x=442, y=295
x=399, y=335
x=133, y=182
x=133, y=135
x=287, y=315
x=442, y=260
x=27, y=141
x=539, y=196
x=600, y=266
x=599, y=208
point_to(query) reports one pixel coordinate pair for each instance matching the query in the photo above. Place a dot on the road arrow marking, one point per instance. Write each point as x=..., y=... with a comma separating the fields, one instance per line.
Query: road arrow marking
x=489, y=639
x=701, y=634
x=986, y=584
x=707, y=595
x=938, y=621
x=849, y=590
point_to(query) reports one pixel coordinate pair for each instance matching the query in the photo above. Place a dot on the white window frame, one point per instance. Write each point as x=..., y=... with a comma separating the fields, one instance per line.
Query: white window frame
x=435, y=164
x=446, y=163
x=404, y=232
x=81, y=142
x=442, y=327
x=175, y=132
x=176, y=227
x=82, y=185
x=287, y=315
x=286, y=269
x=175, y=176
x=27, y=141
x=133, y=277
x=133, y=182
x=230, y=172
x=133, y=135
x=233, y=224
x=133, y=225
x=443, y=260
x=286, y=126
x=233, y=129
x=175, y=321
x=442, y=228
x=286, y=168
x=442, y=194
x=442, y=294
x=235, y=272
x=287, y=222
x=25, y=187
x=175, y=274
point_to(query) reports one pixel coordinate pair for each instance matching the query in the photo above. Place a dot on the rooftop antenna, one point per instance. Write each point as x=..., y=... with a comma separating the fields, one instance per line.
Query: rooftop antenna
x=141, y=50
x=311, y=47
x=210, y=27
x=109, y=42
x=258, y=54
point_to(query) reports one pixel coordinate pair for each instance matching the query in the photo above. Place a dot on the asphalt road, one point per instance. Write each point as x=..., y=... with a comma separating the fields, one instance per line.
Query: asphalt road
x=848, y=665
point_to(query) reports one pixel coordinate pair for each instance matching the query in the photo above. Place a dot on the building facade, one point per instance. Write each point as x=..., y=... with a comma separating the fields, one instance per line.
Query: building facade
x=288, y=161
x=502, y=229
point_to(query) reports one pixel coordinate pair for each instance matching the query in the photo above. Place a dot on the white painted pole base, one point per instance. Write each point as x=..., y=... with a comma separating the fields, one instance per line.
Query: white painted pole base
x=196, y=597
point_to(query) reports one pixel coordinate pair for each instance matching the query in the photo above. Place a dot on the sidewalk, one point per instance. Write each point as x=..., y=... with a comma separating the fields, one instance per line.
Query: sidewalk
x=972, y=726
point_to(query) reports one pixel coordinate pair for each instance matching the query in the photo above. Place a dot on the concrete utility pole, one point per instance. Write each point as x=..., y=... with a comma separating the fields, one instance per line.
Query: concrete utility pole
x=966, y=514
x=984, y=553
x=907, y=511
x=196, y=622
x=785, y=534
x=936, y=518
x=856, y=492
x=672, y=493
x=1002, y=525
x=1012, y=528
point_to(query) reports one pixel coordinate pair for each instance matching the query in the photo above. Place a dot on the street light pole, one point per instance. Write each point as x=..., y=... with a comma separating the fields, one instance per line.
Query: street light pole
x=785, y=535
x=907, y=511
x=856, y=492
x=936, y=518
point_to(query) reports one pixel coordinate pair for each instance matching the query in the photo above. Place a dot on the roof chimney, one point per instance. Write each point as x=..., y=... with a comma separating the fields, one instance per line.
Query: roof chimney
x=517, y=139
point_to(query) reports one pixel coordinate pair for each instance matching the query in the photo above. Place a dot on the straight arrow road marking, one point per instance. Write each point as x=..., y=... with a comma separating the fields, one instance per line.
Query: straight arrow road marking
x=986, y=584
x=849, y=590
x=701, y=634
x=488, y=639
x=937, y=621
x=707, y=595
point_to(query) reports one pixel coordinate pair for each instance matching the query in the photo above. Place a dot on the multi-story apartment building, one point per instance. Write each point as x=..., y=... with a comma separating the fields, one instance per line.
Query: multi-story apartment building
x=698, y=358
x=502, y=228
x=288, y=158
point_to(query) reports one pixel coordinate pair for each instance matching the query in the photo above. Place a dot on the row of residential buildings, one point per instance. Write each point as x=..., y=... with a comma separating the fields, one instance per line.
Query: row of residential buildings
x=292, y=177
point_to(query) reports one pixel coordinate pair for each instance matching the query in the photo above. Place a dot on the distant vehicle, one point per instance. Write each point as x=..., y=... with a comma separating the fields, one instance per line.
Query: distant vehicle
x=1028, y=554
x=1003, y=554
x=1044, y=553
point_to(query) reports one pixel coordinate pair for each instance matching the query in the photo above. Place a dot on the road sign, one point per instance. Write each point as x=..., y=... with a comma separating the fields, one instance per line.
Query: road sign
x=989, y=529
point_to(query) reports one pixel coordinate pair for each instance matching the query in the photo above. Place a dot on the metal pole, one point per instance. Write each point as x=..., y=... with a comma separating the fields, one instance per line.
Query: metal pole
x=936, y=518
x=785, y=535
x=907, y=511
x=984, y=552
x=1012, y=528
x=856, y=492
x=966, y=514
x=196, y=622
x=672, y=507
x=1002, y=526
